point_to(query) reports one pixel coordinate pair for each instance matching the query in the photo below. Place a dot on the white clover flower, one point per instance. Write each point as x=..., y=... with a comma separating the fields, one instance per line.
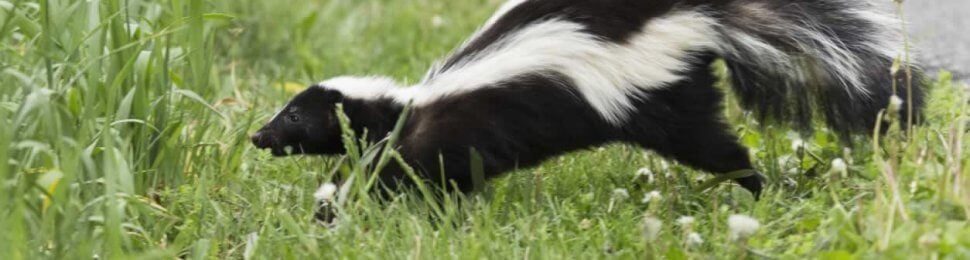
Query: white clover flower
x=645, y=173
x=621, y=194
x=651, y=228
x=326, y=193
x=895, y=104
x=694, y=239
x=685, y=221
x=741, y=226
x=651, y=196
x=839, y=166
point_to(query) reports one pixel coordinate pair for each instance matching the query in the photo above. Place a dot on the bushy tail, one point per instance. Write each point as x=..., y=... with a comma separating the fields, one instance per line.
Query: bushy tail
x=791, y=59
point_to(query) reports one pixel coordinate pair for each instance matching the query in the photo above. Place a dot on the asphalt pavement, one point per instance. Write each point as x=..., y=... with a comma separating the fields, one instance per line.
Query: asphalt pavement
x=940, y=32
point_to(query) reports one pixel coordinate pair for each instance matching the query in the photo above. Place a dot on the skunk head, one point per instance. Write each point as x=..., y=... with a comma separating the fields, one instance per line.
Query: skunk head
x=306, y=125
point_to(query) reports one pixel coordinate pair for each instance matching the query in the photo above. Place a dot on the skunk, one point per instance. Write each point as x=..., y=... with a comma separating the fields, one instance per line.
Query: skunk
x=546, y=77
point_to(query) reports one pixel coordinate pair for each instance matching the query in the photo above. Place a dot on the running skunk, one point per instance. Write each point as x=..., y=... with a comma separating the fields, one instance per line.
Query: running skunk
x=546, y=77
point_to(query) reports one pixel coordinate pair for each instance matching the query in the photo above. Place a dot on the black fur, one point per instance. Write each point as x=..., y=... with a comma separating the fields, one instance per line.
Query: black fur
x=614, y=20
x=773, y=97
x=317, y=128
x=306, y=125
x=522, y=125
x=780, y=98
x=521, y=122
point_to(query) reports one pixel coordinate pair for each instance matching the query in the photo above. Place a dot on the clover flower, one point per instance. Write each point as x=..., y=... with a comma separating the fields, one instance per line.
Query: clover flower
x=741, y=227
x=651, y=196
x=621, y=194
x=839, y=166
x=651, y=228
x=685, y=221
x=326, y=193
x=895, y=104
x=645, y=173
x=694, y=239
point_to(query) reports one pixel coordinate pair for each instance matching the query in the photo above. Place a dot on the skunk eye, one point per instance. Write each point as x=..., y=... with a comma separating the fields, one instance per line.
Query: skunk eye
x=293, y=118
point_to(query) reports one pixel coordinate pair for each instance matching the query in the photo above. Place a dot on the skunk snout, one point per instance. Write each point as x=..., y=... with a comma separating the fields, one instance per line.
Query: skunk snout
x=263, y=139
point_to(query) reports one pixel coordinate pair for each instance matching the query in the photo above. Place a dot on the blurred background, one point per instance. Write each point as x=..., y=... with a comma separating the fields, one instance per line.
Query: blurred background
x=940, y=30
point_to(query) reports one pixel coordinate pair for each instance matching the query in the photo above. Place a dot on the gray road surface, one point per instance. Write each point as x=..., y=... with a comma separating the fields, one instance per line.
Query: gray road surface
x=940, y=30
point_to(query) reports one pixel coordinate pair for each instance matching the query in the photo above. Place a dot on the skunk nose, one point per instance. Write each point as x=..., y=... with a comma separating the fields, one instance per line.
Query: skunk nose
x=260, y=140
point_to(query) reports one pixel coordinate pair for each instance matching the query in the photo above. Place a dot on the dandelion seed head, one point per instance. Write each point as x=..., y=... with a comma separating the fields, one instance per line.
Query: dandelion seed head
x=326, y=193
x=645, y=173
x=741, y=226
x=685, y=221
x=694, y=239
x=651, y=196
x=895, y=103
x=651, y=228
x=621, y=194
x=838, y=165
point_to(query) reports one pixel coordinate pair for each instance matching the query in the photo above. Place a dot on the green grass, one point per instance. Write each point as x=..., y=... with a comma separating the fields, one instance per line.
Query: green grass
x=125, y=129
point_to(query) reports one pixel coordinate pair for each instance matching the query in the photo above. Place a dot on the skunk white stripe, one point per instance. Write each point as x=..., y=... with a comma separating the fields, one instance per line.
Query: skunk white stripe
x=370, y=87
x=807, y=34
x=888, y=41
x=813, y=39
x=606, y=74
x=609, y=75
x=499, y=13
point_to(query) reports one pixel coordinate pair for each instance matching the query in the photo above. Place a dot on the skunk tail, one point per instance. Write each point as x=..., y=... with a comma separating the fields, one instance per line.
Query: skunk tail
x=790, y=59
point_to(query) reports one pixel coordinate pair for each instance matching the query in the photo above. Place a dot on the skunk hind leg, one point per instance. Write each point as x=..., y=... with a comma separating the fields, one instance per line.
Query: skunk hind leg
x=685, y=122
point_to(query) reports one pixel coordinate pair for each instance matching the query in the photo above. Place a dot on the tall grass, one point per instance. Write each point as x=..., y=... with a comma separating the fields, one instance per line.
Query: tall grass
x=124, y=131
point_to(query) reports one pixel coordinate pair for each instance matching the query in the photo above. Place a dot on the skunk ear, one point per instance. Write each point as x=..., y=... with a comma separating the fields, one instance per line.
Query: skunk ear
x=327, y=95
